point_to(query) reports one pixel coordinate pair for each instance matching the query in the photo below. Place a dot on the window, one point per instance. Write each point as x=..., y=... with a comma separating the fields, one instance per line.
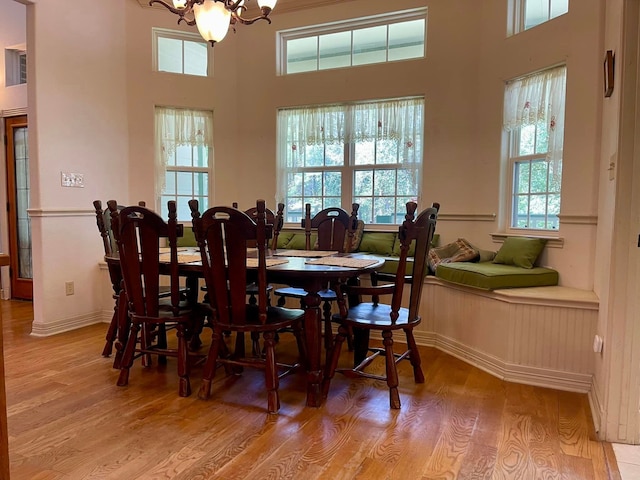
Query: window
x=334, y=155
x=184, y=158
x=377, y=39
x=525, y=14
x=15, y=60
x=180, y=52
x=534, y=121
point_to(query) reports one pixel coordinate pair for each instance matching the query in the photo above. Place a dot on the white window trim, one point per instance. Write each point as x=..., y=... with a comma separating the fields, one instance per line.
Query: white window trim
x=507, y=182
x=283, y=36
x=12, y=56
x=516, y=18
x=157, y=32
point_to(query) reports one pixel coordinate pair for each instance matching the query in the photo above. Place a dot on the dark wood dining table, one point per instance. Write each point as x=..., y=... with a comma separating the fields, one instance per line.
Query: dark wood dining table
x=296, y=271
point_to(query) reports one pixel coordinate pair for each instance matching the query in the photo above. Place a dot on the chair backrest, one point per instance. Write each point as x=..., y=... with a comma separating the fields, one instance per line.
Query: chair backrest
x=140, y=233
x=274, y=219
x=421, y=230
x=103, y=220
x=223, y=234
x=333, y=225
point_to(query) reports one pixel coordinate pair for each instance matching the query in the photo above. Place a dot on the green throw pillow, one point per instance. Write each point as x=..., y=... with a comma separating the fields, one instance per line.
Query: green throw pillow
x=299, y=241
x=188, y=239
x=284, y=238
x=380, y=243
x=520, y=251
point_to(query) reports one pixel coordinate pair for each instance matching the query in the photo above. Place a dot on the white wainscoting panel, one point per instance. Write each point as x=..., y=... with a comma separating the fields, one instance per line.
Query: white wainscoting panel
x=539, y=341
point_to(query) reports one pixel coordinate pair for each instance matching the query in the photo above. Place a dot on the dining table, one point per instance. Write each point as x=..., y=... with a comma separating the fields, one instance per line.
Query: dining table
x=310, y=270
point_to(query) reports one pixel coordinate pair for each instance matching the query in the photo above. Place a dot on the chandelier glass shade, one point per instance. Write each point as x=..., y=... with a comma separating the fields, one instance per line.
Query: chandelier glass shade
x=214, y=18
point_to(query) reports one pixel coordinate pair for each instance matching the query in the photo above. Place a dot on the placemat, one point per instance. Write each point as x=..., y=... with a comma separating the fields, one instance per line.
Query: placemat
x=303, y=253
x=343, y=262
x=182, y=257
x=253, y=262
x=168, y=249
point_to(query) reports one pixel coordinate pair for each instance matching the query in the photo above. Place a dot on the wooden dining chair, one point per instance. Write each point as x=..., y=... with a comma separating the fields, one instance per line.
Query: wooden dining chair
x=103, y=221
x=140, y=233
x=334, y=228
x=388, y=318
x=277, y=221
x=223, y=234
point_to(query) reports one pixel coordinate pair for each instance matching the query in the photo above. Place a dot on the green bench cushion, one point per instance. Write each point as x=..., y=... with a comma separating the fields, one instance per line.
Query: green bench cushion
x=493, y=276
x=391, y=265
x=378, y=243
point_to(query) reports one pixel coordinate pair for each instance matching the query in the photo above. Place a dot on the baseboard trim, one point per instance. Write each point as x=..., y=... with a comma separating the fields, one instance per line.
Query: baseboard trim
x=596, y=408
x=67, y=324
x=540, y=377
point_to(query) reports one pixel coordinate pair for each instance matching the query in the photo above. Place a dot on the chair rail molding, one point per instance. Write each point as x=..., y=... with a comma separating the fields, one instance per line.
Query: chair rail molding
x=59, y=212
x=578, y=219
x=467, y=217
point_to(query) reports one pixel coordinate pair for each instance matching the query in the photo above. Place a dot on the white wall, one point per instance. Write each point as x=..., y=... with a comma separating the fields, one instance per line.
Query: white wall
x=78, y=123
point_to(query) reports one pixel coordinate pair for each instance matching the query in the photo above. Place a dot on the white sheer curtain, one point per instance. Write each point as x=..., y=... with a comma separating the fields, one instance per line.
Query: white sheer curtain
x=536, y=99
x=398, y=120
x=175, y=127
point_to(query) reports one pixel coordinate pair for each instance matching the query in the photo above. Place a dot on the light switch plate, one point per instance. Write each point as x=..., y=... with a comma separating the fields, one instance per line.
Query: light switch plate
x=72, y=179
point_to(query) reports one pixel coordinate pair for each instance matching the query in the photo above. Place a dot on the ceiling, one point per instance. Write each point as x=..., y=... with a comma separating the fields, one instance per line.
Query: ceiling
x=281, y=6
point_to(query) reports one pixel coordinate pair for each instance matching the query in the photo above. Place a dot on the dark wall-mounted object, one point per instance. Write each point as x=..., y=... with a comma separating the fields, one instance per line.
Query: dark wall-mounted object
x=609, y=64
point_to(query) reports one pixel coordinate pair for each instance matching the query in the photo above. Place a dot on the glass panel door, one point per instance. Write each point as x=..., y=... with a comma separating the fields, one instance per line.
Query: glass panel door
x=18, y=203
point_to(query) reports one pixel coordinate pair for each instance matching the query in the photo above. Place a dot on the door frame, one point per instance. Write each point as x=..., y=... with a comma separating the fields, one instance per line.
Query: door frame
x=5, y=281
x=19, y=288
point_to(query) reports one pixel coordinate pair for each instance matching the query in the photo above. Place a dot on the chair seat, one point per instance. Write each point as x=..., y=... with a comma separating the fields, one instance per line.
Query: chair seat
x=376, y=317
x=277, y=318
x=327, y=294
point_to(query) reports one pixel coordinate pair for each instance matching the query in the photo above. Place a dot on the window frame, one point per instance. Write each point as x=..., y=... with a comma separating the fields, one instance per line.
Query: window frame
x=13, y=65
x=348, y=173
x=513, y=161
x=351, y=25
x=158, y=33
x=516, y=16
x=161, y=196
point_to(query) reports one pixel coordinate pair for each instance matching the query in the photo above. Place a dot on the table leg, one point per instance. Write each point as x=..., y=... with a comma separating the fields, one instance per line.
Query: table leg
x=360, y=345
x=192, y=287
x=312, y=328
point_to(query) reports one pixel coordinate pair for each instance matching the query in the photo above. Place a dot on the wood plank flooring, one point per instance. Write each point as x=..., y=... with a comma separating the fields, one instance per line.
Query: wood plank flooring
x=69, y=420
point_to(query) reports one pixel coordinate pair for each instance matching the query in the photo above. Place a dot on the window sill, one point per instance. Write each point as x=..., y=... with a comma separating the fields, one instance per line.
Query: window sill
x=552, y=241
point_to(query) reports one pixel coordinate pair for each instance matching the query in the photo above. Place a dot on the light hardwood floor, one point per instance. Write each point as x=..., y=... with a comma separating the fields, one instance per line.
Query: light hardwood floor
x=69, y=420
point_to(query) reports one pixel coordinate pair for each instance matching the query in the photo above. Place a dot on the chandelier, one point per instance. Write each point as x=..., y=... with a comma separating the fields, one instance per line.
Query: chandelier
x=214, y=17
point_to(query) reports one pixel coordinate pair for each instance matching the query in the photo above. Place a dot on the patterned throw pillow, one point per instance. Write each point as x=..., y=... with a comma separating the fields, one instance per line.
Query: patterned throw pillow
x=459, y=251
x=357, y=238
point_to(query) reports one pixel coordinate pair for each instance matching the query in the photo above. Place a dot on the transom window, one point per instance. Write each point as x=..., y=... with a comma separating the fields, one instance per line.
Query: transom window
x=15, y=65
x=525, y=14
x=376, y=39
x=368, y=153
x=180, y=52
x=184, y=147
x=534, y=120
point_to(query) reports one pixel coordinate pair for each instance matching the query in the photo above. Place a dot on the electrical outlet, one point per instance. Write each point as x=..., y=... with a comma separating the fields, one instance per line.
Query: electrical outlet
x=68, y=288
